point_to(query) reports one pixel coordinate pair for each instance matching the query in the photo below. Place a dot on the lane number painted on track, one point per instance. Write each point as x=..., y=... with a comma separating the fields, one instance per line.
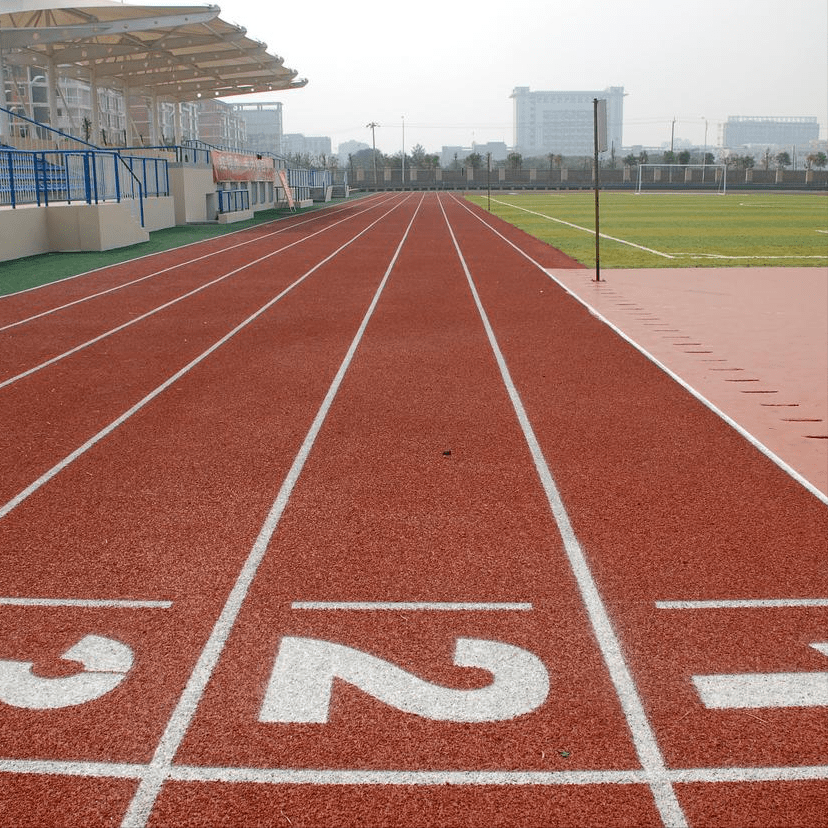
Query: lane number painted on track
x=743, y=690
x=302, y=680
x=105, y=661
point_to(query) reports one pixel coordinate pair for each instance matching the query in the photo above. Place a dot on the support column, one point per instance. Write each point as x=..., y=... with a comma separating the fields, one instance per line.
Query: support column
x=95, y=136
x=4, y=119
x=129, y=126
x=155, y=131
x=179, y=132
x=51, y=93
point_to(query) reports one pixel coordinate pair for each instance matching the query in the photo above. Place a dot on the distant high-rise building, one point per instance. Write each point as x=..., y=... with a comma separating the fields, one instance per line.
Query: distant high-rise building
x=740, y=131
x=311, y=145
x=264, y=125
x=220, y=125
x=562, y=122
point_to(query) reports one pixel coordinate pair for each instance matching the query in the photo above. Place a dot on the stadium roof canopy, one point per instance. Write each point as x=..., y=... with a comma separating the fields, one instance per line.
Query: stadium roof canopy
x=178, y=53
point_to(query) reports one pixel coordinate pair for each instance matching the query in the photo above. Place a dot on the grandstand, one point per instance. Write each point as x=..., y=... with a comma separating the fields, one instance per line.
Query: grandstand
x=77, y=80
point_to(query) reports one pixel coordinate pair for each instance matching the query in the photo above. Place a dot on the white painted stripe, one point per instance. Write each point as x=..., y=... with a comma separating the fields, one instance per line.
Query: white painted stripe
x=728, y=691
x=643, y=737
x=104, y=432
x=743, y=603
x=139, y=809
x=590, y=230
x=165, y=305
x=286, y=219
x=754, y=441
x=322, y=776
x=53, y=767
x=728, y=774
x=106, y=603
x=276, y=776
x=437, y=606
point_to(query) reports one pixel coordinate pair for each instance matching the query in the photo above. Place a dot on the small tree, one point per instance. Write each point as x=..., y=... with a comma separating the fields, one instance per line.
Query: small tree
x=643, y=158
x=514, y=160
x=474, y=160
x=782, y=160
x=418, y=155
x=816, y=159
x=683, y=157
x=669, y=157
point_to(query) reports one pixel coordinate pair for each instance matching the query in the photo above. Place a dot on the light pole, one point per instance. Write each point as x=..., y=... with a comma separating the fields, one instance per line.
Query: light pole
x=403, y=150
x=704, y=157
x=372, y=126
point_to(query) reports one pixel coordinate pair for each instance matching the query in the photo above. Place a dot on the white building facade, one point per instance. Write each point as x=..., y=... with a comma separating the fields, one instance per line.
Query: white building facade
x=562, y=122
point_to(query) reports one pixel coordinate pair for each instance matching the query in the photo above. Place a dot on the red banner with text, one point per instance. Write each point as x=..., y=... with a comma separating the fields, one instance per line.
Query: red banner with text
x=232, y=166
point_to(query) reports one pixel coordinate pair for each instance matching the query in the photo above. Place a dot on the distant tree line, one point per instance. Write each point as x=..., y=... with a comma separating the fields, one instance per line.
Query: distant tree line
x=418, y=158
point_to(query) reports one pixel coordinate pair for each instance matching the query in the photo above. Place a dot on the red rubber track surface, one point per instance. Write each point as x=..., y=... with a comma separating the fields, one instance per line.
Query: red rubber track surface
x=419, y=486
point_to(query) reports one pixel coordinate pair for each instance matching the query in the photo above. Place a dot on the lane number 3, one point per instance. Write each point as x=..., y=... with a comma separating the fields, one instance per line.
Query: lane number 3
x=301, y=682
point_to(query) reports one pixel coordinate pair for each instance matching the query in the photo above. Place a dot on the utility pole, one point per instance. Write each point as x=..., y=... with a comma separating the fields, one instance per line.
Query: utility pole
x=372, y=126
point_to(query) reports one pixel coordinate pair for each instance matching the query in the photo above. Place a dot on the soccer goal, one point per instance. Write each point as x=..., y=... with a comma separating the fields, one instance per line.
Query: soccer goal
x=658, y=177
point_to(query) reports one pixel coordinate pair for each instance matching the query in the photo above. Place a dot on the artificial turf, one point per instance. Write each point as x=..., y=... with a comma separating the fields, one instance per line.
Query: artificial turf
x=688, y=230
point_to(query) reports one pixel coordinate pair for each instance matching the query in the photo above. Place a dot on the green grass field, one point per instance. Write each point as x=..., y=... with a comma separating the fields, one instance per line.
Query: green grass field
x=675, y=230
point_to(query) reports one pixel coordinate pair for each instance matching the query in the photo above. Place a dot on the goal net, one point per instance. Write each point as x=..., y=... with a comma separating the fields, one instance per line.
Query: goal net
x=653, y=178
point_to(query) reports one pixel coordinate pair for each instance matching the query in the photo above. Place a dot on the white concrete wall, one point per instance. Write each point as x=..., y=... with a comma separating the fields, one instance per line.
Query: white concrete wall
x=23, y=232
x=189, y=187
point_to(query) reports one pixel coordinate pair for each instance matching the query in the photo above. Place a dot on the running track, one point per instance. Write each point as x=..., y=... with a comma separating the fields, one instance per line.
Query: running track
x=357, y=518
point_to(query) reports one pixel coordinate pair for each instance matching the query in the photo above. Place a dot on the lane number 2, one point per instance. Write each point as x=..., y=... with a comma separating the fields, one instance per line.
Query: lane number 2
x=301, y=682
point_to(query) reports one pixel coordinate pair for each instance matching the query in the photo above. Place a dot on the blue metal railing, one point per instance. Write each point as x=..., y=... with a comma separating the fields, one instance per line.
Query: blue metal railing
x=89, y=176
x=232, y=201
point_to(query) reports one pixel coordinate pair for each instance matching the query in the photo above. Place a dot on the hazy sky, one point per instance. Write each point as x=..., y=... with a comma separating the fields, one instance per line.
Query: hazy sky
x=449, y=67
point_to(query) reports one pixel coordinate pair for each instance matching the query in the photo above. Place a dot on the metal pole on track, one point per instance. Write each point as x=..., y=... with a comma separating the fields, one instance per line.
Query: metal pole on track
x=597, y=211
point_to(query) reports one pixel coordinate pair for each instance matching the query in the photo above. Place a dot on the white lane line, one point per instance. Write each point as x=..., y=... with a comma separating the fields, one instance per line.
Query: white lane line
x=589, y=230
x=56, y=767
x=139, y=809
x=92, y=603
x=104, y=432
x=159, y=272
x=290, y=776
x=437, y=606
x=643, y=737
x=754, y=441
x=743, y=603
x=286, y=219
x=278, y=776
x=166, y=305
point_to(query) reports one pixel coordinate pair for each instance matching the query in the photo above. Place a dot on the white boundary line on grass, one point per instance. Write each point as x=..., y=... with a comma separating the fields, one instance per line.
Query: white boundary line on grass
x=589, y=230
x=650, y=249
x=643, y=736
x=754, y=441
x=104, y=432
x=161, y=765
